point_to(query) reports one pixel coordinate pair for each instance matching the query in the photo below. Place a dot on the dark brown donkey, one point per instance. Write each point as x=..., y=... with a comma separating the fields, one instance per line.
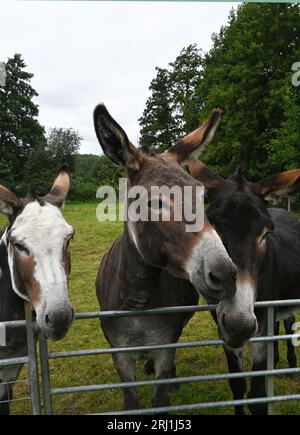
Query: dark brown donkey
x=264, y=243
x=154, y=263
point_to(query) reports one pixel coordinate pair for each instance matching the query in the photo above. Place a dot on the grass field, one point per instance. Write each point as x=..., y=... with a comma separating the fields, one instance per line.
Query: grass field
x=91, y=242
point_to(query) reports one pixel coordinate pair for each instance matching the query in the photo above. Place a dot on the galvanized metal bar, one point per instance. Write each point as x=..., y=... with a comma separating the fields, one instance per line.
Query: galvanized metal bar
x=45, y=372
x=19, y=399
x=112, y=350
x=32, y=363
x=270, y=356
x=151, y=312
x=14, y=324
x=21, y=381
x=165, y=310
x=14, y=361
x=179, y=380
x=209, y=405
x=180, y=345
x=182, y=309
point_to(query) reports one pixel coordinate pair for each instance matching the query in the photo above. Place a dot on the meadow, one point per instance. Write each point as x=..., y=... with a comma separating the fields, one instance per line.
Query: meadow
x=91, y=241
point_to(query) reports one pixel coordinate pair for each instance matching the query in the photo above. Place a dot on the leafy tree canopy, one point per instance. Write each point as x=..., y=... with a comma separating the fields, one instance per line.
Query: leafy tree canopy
x=248, y=73
x=172, y=108
x=20, y=131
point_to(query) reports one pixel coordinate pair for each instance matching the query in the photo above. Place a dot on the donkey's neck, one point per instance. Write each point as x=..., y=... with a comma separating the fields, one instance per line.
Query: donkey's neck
x=11, y=305
x=140, y=281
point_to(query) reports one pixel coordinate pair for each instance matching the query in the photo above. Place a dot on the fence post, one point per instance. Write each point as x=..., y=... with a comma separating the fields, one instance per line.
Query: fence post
x=270, y=350
x=32, y=363
x=45, y=374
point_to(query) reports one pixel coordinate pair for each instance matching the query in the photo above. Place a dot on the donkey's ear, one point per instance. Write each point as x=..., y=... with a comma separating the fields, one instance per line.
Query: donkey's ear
x=283, y=184
x=202, y=173
x=60, y=188
x=190, y=146
x=9, y=202
x=114, y=141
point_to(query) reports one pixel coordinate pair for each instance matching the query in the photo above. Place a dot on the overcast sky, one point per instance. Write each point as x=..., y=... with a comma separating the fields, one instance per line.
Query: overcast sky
x=82, y=53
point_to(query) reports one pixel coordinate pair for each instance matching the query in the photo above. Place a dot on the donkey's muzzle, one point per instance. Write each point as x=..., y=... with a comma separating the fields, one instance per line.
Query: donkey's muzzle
x=237, y=330
x=58, y=322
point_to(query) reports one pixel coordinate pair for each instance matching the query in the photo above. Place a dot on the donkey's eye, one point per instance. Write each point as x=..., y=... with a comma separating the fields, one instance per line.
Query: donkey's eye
x=21, y=248
x=263, y=237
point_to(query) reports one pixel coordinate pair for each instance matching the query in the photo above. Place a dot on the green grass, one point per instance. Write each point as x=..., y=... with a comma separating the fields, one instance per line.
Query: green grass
x=91, y=242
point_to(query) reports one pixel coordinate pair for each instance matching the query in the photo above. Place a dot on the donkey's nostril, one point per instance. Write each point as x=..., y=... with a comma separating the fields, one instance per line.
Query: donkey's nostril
x=48, y=321
x=59, y=320
x=233, y=275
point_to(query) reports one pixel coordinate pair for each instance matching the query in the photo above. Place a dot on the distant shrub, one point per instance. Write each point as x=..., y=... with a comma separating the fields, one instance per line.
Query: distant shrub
x=90, y=173
x=83, y=189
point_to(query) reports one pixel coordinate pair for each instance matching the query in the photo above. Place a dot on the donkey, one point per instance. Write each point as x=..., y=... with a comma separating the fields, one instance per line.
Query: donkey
x=264, y=244
x=268, y=268
x=156, y=263
x=34, y=267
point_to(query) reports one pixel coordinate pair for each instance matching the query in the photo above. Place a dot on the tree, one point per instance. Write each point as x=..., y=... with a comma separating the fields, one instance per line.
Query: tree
x=158, y=127
x=90, y=173
x=20, y=131
x=62, y=145
x=185, y=76
x=248, y=73
x=39, y=170
x=284, y=148
x=99, y=169
x=173, y=106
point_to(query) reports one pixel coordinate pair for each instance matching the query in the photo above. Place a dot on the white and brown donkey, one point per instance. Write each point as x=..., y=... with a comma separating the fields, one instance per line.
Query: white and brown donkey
x=156, y=263
x=34, y=267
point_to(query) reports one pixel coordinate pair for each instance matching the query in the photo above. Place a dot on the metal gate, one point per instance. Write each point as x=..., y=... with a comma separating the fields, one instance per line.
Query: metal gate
x=30, y=360
x=44, y=382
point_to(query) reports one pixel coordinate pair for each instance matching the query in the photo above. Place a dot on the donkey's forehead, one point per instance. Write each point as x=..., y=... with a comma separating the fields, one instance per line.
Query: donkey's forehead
x=159, y=171
x=238, y=211
x=242, y=203
x=40, y=220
